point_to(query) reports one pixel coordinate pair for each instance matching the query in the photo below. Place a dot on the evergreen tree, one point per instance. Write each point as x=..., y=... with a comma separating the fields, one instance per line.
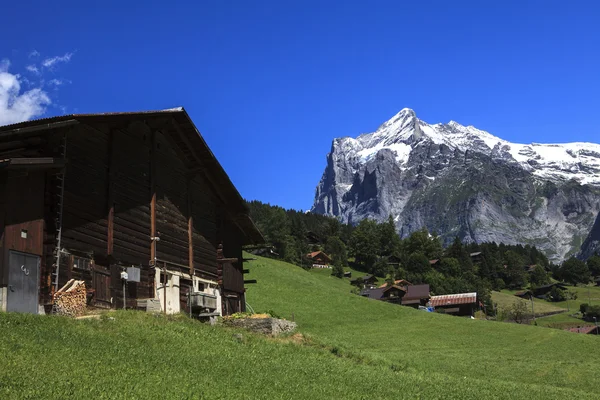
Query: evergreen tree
x=594, y=265
x=575, y=271
x=515, y=274
x=337, y=270
x=389, y=241
x=336, y=249
x=364, y=244
x=424, y=243
x=539, y=276
x=449, y=267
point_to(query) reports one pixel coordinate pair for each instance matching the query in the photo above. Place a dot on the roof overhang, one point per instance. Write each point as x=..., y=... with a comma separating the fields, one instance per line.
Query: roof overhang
x=200, y=157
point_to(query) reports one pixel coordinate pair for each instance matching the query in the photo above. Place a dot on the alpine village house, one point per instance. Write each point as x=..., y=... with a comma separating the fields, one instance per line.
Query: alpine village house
x=133, y=204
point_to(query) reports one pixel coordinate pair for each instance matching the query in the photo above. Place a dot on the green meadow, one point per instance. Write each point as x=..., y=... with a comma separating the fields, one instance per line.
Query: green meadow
x=346, y=347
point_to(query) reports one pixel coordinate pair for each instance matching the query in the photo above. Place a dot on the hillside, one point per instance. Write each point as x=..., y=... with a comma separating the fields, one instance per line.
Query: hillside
x=349, y=347
x=506, y=358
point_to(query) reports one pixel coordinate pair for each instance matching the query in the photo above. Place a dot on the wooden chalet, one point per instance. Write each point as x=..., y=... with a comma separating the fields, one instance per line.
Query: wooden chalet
x=540, y=292
x=365, y=282
x=456, y=304
x=91, y=196
x=391, y=294
x=398, y=282
x=416, y=295
x=319, y=259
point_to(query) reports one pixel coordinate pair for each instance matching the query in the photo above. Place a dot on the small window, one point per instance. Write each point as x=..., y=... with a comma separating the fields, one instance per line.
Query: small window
x=82, y=263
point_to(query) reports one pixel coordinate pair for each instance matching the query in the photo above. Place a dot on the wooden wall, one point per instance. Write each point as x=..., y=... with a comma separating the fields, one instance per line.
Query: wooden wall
x=114, y=167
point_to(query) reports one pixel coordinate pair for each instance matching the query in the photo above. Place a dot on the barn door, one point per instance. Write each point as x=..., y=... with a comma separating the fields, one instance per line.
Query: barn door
x=23, y=282
x=101, y=286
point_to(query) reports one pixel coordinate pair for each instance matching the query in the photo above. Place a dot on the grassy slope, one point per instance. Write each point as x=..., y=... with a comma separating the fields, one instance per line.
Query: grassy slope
x=505, y=300
x=443, y=348
x=357, y=348
x=585, y=294
x=138, y=355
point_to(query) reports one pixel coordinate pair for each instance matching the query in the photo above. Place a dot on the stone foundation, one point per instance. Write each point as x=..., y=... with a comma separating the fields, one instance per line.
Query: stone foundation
x=266, y=326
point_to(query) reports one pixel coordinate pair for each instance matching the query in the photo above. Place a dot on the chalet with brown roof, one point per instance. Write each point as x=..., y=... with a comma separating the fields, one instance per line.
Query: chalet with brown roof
x=392, y=294
x=367, y=281
x=398, y=282
x=456, y=304
x=416, y=295
x=134, y=204
x=319, y=259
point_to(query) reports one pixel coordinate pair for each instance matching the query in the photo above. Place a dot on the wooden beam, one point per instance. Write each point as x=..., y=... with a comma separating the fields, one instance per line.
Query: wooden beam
x=190, y=228
x=231, y=260
x=249, y=281
x=153, y=198
x=32, y=163
x=245, y=271
x=112, y=165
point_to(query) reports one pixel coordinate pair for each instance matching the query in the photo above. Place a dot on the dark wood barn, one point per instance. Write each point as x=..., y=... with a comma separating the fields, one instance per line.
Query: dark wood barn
x=416, y=295
x=90, y=196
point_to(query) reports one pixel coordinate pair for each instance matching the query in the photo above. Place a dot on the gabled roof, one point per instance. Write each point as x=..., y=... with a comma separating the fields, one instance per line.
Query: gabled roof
x=176, y=123
x=414, y=292
x=318, y=253
x=374, y=294
x=453, y=299
x=398, y=282
x=585, y=329
x=402, y=288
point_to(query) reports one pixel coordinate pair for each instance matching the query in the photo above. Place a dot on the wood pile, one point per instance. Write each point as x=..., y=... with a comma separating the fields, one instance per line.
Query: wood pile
x=71, y=299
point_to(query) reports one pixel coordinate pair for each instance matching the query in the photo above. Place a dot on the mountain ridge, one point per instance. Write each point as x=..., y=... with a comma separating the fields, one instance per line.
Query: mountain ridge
x=417, y=171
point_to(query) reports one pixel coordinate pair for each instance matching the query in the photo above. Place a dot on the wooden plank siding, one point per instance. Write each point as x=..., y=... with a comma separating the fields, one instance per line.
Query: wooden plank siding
x=128, y=177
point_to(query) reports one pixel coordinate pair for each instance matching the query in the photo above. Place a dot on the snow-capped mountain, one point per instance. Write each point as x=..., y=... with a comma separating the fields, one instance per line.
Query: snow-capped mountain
x=459, y=180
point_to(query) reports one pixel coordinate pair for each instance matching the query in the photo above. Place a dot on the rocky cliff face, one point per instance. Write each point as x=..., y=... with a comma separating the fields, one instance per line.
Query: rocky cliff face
x=461, y=181
x=591, y=245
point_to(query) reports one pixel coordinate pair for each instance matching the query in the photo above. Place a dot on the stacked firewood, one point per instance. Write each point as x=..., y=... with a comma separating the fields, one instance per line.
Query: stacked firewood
x=71, y=299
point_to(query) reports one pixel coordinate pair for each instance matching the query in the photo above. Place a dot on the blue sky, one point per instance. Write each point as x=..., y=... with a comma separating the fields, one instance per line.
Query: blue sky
x=271, y=83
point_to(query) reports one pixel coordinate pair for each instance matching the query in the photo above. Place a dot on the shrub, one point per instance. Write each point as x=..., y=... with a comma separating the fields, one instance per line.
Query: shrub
x=337, y=270
x=557, y=294
x=583, y=307
x=592, y=312
x=518, y=311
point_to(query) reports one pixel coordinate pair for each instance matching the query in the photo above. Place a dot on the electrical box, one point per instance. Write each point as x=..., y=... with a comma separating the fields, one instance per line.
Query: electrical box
x=134, y=274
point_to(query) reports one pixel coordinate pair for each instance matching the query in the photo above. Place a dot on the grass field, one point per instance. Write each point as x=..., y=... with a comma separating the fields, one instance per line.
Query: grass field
x=350, y=348
x=481, y=353
x=506, y=300
x=571, y=316
x=562, y=321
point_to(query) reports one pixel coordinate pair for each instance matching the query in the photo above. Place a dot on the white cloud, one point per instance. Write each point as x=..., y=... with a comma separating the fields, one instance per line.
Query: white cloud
x=50, y=62
x=33, y=69
x=14, y=105
x=34, y=53
x=56, y=82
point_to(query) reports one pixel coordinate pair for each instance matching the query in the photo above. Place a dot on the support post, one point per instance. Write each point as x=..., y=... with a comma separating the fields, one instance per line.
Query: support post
x=112, y=166
x=190, y=229
x=153, y=199
x=165, y=289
